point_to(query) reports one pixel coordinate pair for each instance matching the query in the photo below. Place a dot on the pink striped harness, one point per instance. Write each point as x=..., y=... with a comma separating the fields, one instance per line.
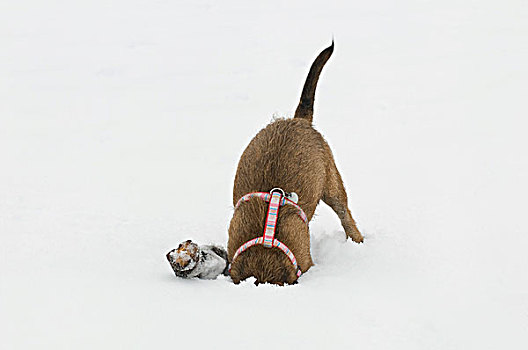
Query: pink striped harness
x=276, y=198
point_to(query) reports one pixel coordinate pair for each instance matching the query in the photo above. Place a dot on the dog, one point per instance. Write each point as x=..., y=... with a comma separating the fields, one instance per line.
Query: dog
x=191, y=260
x=292, y=155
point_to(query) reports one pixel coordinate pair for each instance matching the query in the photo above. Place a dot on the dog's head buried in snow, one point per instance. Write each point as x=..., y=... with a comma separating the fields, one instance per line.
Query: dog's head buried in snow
x=292, y=155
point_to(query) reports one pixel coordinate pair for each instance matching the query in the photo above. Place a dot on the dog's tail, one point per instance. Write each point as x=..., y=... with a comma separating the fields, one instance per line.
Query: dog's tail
x=305, y=107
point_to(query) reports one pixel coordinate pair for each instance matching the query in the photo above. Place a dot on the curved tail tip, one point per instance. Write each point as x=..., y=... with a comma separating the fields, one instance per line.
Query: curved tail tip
x=331, y=47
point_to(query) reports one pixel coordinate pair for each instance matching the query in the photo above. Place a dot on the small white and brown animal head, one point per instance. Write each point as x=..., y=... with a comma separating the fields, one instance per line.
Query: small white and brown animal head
x=184, y=258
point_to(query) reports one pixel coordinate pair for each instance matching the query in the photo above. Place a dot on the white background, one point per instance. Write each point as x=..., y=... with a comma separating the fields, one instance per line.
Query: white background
x=121, y=124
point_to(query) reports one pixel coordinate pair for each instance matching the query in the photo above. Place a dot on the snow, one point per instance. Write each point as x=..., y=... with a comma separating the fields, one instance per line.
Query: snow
x=121, y=124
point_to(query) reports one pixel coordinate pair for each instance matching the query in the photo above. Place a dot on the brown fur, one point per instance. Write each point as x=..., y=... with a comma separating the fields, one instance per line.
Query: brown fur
x=292, y=155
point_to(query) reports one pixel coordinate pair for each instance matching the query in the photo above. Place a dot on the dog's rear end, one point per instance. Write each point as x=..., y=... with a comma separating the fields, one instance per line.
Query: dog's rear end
x=292, y=155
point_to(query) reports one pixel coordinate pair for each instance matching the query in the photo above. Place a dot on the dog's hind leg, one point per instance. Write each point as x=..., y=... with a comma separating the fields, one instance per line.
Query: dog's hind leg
x=335, y=196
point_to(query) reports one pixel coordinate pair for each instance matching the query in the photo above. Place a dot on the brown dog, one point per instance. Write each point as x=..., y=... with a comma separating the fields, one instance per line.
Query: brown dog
x=292, y=155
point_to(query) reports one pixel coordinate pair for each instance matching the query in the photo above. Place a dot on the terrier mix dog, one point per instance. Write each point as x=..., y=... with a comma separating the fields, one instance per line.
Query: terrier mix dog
x=291, y=155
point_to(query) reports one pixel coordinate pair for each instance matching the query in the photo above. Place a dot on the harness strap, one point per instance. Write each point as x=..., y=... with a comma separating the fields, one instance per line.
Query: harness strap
x=277, y=244
x=268, y=240
x=271, y=220
x=267, y=196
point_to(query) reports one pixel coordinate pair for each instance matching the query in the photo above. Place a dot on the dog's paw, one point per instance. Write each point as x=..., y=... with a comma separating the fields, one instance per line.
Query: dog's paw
x=356, y=236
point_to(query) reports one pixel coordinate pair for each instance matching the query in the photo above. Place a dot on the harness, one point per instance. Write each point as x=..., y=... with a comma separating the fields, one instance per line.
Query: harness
x=276, y=198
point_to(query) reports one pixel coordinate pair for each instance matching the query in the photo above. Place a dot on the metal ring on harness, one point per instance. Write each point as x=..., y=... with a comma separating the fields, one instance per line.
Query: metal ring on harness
x=278, y=189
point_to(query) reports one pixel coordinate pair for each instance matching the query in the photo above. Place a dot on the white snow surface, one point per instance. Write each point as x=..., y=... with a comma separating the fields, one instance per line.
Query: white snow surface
x=121, y=125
